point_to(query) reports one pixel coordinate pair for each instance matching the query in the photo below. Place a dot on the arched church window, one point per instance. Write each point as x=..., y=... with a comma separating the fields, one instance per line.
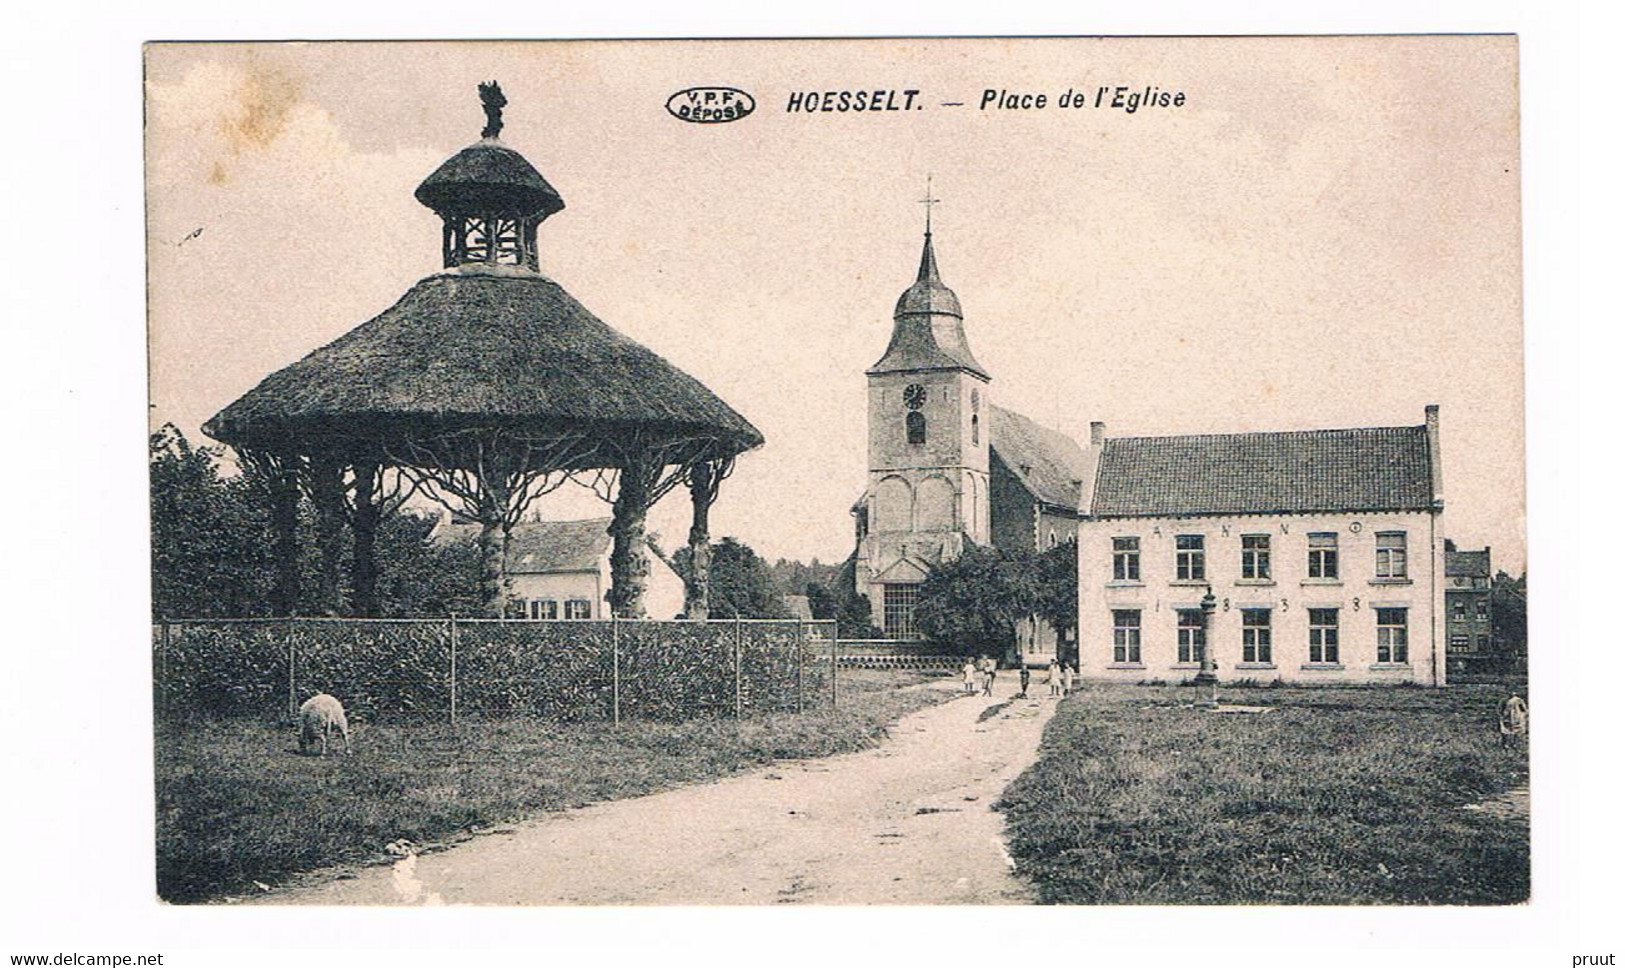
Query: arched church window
x=975, y=429
x=916, y=427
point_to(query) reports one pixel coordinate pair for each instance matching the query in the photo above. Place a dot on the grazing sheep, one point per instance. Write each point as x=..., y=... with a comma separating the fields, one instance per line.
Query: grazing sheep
x=319, y=717
x=1514, y=720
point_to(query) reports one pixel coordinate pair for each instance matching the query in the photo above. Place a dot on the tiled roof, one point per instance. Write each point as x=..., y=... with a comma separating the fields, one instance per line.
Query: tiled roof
x=1048, y=462
x=1467, y=564
x=546, y=547
x=1366, y=469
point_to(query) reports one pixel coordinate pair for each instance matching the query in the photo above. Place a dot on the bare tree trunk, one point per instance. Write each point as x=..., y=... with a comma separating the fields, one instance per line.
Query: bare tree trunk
x=628, y=562
x=495, y=491
x=285, y=528
x=364, y=525
x=697, y=584
x=327, y=493
x=492, y=540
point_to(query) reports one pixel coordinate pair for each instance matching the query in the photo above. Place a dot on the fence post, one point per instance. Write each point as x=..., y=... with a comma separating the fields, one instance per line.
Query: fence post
x=293, y=695
x=453, y=668
x=801, y=649
x=834, y=661
x=615, y=668
x=164, y=697
x=739, y=699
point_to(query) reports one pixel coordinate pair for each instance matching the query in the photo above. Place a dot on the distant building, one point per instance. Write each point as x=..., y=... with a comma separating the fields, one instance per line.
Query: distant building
x=948, y=468
x=560, y=569
x=1469, y=637
x=1321, y=549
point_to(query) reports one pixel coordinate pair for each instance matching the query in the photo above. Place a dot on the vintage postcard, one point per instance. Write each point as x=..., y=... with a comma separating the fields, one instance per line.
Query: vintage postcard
x=873, y=471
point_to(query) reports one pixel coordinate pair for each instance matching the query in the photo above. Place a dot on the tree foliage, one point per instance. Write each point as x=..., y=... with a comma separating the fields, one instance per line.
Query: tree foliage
x=741, y=584
x=418, y=577
x=853, y=616
x=212, y=545
x=795, y=576
x=1055, y=575
x=211, y=538
x=1509, y=614
x=972, y=603
x=821, y=601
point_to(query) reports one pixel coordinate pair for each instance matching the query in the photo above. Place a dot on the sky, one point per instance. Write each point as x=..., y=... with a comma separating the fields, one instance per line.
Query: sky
x=1325, y=234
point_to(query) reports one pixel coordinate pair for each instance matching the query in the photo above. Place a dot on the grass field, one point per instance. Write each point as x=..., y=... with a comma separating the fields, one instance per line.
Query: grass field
x=235, y=804
x=1339, y=796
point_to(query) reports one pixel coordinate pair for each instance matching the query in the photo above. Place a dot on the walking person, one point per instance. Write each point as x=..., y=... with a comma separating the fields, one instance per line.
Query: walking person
x=1053, y=677
x=970, y=677
x=1026, y=677
x=1069, y=673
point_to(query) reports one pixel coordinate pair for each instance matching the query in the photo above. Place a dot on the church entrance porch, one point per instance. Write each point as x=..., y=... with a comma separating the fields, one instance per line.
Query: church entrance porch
x=898, y=602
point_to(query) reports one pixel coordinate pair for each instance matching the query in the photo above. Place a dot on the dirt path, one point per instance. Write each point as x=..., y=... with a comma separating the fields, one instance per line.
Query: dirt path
x=907, y=823
x=1511, y=805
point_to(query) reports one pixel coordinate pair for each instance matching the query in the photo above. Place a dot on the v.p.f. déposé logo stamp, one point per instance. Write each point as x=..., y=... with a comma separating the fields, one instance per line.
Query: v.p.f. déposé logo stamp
x=710, y=105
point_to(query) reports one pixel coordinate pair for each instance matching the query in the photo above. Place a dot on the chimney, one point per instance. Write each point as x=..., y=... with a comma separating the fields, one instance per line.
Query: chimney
x=1097, y=433
x=1436, y=468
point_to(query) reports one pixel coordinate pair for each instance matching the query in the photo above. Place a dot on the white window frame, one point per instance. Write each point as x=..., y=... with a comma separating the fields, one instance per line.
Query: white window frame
x=1393, y=637
x=1190, y=557
x=1256, y=645
x=1126, y=558
x=1323, y=555
x=1323, y=636
x=1255, y=557
x=1192, y=638
x=1126, y=636
x=1392, y=559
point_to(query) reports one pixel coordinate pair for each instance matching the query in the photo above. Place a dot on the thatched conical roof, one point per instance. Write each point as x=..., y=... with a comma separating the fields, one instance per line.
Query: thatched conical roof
x=488, y=176
x=462, y=350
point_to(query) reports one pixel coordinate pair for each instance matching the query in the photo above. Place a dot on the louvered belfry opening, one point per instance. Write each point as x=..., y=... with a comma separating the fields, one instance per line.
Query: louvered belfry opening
x=490, y=240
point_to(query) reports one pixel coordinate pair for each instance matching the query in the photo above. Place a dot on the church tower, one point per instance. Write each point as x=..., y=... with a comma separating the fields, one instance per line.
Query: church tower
x=928, y=450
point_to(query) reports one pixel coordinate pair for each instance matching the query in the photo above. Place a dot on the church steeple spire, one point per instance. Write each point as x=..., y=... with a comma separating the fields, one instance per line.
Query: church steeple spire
x=928, y=263
x=928, y=256
x=928, y=330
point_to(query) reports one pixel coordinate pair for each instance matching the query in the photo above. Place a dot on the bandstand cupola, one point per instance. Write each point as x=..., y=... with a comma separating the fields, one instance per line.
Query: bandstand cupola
x=489, y=198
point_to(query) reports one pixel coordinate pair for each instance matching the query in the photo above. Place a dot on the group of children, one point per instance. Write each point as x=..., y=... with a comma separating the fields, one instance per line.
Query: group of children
x=979, y=674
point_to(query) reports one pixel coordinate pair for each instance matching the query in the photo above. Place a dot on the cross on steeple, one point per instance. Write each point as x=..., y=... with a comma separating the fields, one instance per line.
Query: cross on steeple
x=928, y=201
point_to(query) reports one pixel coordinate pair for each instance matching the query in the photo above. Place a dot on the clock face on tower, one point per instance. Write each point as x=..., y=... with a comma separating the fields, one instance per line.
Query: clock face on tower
x=914, y=396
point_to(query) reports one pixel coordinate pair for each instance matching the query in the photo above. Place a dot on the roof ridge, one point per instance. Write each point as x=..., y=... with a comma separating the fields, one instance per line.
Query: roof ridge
x=1272, y=471
x=1265, y=433
x=563, y=521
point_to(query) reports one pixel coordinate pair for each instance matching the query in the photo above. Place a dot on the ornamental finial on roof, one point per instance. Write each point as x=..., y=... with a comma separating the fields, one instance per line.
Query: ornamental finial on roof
x=928, y=201
x=492, y=100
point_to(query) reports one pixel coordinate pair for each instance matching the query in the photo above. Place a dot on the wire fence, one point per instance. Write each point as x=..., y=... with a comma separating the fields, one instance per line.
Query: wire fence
x=571, y=671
